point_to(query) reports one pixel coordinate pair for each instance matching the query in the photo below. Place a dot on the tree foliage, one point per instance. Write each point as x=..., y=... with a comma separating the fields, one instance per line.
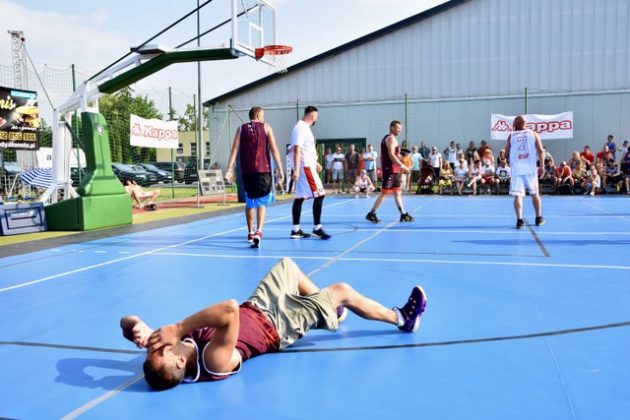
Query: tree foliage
x=188, y=121
x=117, y=109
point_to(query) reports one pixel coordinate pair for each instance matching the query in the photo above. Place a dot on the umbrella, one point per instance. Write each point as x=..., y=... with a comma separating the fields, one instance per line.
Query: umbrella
x=38, y=177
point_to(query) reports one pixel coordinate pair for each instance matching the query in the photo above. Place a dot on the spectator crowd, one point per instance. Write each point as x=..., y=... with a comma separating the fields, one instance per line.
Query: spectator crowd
x=477, y=170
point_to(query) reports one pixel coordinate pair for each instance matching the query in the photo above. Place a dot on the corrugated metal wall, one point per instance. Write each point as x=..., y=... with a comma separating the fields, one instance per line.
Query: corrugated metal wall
x=439, y=122
x=459, y=66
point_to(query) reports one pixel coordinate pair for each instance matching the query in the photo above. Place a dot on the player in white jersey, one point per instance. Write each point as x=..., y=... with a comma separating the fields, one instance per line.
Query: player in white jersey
x=523, y=150
x=305, y=175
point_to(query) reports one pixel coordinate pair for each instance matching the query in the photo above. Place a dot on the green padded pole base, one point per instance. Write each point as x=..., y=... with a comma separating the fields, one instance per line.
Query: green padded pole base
x=88, y=213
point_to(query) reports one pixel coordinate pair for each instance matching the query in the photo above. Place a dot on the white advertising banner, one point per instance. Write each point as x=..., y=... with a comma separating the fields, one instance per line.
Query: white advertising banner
x=548, y=127
x=153, y=133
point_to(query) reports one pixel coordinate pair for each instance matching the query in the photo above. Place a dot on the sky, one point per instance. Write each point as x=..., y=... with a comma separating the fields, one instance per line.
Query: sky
x=93, y=34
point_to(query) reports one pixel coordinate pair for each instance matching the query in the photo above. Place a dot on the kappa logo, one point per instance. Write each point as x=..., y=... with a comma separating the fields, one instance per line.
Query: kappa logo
x=502, y=125
x=550, y=126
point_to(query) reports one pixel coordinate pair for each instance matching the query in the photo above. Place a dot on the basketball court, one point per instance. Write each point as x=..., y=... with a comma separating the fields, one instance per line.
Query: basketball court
x=530, y=323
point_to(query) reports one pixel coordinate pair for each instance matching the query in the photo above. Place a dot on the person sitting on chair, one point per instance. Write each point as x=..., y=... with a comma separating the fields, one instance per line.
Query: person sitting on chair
x=138, y=195
x=213, y=343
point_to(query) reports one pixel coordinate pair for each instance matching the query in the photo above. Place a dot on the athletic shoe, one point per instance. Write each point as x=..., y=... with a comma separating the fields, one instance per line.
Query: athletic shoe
x=520, y=224
x=257, y=239
x=413, y=309
x=320, y=234
x=342, y=313
x=540, y=221
x=406, y=217
x=299, y=234
x=250, y=238
x=371, y=217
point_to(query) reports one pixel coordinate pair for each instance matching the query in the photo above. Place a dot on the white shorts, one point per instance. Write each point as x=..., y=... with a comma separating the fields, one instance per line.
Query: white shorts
x=308, y=184
x=520, y=183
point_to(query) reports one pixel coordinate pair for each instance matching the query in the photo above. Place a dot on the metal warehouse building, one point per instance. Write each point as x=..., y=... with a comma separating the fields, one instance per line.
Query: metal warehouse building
x=443, y=72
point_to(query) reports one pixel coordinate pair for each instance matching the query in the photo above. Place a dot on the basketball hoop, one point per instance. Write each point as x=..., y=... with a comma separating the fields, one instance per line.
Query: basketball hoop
x=275, y=53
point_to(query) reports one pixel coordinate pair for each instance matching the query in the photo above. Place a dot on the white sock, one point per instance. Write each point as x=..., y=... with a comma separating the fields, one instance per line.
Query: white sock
x=296, y=228
x=401, y=320
x=318, y=227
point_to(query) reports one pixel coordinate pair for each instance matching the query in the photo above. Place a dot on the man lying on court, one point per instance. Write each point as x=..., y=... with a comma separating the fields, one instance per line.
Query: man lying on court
x=213, y=343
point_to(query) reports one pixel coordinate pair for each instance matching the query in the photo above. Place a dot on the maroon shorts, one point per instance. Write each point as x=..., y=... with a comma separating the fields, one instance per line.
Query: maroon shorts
x=391, y=182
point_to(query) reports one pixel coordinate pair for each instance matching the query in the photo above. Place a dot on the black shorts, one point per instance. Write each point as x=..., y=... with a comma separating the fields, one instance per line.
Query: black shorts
x=257, y=184
x=391, y=181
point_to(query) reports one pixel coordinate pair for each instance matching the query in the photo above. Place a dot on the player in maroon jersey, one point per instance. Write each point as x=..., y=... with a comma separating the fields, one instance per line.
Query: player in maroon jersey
x=392, y=167
x=213, y=343
x=253, y=142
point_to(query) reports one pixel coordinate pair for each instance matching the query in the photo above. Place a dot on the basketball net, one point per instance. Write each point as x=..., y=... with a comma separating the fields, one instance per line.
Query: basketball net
x=276, y=56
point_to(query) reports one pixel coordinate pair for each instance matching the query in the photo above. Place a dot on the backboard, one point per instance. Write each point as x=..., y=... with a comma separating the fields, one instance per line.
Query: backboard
x=253, y=26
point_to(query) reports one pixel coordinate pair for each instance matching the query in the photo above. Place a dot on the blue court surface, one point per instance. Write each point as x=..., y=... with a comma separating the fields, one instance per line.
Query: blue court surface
x=531, y=324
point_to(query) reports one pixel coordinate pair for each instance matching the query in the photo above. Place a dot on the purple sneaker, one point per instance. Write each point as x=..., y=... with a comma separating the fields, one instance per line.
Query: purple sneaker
x=413, y=309
x=342, y=313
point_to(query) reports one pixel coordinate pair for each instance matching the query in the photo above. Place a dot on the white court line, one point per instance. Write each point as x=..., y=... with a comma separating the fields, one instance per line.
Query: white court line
x=352, y=248
x=480, y=231
x=90, y=267
x=85, y=407
x=625, y=219
x=361, y=242
x=463, y=216
x=399, y=260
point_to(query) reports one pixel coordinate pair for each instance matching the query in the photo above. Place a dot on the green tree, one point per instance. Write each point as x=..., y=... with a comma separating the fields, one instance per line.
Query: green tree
x=117, y=109
x=45, y=134
x=188, y=121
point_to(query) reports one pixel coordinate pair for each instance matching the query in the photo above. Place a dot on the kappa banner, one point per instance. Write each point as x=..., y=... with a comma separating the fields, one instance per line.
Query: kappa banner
x=548, y=127
x=153, y=133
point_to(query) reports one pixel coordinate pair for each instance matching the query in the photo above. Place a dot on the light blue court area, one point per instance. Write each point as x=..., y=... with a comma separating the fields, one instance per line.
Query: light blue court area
x=530, y=324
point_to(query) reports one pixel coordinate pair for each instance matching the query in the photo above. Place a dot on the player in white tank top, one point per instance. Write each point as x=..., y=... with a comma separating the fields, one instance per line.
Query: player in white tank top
x=524, y=149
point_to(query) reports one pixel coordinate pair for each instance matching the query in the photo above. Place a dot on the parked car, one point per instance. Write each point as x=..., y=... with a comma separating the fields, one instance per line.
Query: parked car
x=163, y=175
x=152, y=178
x=180, y=168
x=190, y=173
x=123, y=172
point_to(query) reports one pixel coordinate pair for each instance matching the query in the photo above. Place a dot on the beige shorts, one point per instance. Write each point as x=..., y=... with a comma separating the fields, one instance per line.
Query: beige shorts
x=293, y=315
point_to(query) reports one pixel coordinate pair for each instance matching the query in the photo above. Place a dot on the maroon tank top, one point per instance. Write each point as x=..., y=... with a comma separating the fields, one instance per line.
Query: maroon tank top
x=254, y=148
x=387, y=164
x=256, y=336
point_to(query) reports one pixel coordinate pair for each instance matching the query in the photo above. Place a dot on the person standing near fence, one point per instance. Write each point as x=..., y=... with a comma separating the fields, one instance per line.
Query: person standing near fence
x=523, y=148
x=369, y=160
x=305, y=175
x=392, y=168
x=253, y=141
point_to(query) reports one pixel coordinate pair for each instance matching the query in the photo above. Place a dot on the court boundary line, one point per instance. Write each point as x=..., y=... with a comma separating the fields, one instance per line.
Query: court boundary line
x=549, y=333
x=339, y=256
x=70, y=347
x=109, y=394
x=483, y=231
x=109, y=262
x=552, y=333
x=405, y=260
x=538, y=241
